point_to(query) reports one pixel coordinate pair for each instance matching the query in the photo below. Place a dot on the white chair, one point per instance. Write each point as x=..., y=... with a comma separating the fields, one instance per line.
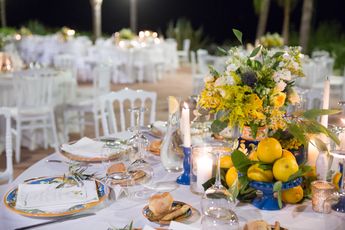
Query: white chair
x=109, y=121
x=197, y=78
x=184, y=53
x=34, y=109
x=7, y=175
x=87, y=102
x=66, y=62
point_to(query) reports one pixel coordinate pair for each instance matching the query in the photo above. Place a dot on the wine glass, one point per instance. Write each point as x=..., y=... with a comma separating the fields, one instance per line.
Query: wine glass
x=141, y=172
x=217, y=203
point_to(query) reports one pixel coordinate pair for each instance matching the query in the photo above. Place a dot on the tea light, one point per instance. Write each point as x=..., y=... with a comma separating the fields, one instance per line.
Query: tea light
x=204, y=171
x=321, y=191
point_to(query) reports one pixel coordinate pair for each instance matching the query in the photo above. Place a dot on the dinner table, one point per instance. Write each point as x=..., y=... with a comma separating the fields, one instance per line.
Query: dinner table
x=122, y=211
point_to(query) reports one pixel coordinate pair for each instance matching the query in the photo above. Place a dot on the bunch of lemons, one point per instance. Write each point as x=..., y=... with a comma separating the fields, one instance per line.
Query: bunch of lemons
x=284, y=164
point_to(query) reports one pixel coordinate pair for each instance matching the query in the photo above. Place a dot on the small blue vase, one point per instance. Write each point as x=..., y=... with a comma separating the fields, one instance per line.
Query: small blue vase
x=268, y=201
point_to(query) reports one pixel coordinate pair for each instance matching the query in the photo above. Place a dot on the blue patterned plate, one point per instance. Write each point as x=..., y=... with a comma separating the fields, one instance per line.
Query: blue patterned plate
x=11, y=197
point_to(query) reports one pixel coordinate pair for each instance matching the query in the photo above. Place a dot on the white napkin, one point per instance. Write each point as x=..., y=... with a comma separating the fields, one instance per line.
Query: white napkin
x=86, y=147
x=180, y=226
x=47, y=197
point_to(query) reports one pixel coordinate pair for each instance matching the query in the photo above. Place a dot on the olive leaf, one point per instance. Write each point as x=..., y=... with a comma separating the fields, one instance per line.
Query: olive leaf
x=222, y=51
x=238, y=35
x=217, y=126
x=277, y=187
x=255, y=51
x=315, y=113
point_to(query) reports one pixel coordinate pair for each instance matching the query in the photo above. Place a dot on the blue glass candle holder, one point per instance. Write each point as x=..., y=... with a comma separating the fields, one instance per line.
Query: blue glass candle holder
x=184, y=179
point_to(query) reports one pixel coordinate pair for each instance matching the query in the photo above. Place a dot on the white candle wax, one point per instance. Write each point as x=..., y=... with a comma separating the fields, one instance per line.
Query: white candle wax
x=325, y=103
x=186, y=126
x=204, y=171
x=313, y=153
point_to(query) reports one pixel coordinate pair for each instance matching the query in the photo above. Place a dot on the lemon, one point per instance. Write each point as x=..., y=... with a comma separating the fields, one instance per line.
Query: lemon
x=253, y=156
x=269, y=150
x=231, y=176
x=335, y=180
x=288, y=154
x=226, y=162
x=258, y=174
x=292, y=195
x=284, y=168
x=173, y=104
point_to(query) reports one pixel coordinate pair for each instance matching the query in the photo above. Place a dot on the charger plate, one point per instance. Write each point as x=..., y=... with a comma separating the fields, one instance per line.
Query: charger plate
x=11, y=197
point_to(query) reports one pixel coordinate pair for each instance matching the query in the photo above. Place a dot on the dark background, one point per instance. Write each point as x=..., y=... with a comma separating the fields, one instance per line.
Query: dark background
x=217, y=17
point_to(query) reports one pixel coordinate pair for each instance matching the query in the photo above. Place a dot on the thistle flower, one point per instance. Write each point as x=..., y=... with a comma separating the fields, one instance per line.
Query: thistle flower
x=249, y=78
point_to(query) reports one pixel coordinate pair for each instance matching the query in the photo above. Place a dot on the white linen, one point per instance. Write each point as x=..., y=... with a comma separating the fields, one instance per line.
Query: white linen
x=123, y=211
x=47, y=197
x=90, y=148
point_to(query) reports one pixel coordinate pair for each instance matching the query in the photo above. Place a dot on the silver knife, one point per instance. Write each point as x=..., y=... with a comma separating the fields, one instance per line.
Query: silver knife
x=62, y=219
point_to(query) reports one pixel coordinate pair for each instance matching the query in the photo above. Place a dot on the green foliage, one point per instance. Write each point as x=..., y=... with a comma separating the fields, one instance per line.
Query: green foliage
x=183, y=29
x=330, y=36
x=238, y=35
x=37, y=27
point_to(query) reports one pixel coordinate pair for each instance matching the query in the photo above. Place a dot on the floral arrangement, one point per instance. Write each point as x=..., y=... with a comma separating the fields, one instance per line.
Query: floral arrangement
x=126, y=34
x=66, y=33
x=254, y=90
x=271, y=40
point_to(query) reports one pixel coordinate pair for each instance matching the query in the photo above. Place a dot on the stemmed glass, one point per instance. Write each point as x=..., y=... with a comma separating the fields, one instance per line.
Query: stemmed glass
x=137, y=165
x=218, y=202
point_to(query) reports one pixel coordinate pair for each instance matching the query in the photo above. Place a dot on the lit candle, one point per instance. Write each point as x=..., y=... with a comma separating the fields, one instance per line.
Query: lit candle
x=313, y=153
x=204, y=171
x=186, y=126
x=325, y=104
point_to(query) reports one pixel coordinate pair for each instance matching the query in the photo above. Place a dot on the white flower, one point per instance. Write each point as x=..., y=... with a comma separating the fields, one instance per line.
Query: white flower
x=280, y=86
x=223, y=80
x=293, y=97
x=286, y=56
x=282, y=75
x=208, y=78
x=232, y=67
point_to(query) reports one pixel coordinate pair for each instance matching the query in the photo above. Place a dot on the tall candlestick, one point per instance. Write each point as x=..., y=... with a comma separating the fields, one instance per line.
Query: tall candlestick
x=325, y=104
x=186, y=126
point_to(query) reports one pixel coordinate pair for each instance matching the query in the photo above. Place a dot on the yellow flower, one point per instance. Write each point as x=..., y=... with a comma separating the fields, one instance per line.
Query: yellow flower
x=278, y=99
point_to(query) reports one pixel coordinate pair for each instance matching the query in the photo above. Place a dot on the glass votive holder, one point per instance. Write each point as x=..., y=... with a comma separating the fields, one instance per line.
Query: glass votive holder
x=322, y=191
x=204, y=163
x=202, y=167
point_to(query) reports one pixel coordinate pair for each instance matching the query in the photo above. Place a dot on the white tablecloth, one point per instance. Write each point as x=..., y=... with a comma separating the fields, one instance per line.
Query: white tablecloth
x=123, y=211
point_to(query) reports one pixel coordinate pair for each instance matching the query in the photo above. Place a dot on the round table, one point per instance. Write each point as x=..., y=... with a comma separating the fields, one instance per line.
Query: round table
x=123, y=211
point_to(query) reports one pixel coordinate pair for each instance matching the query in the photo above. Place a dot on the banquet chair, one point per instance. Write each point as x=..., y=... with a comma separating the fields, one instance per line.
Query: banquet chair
x=34, y=109
x=87, y=103
x=184, y=53
x=109, y=121
x=7, y=175
x=66, y=62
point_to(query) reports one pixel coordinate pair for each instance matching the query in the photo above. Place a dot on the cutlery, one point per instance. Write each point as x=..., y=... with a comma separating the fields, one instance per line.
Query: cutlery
x=62, y=219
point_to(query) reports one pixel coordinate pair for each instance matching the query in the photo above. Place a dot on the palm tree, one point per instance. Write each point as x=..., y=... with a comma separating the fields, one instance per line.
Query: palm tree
x=307, y=13
x=288, y=6
x=262, y=8
x=3, y=13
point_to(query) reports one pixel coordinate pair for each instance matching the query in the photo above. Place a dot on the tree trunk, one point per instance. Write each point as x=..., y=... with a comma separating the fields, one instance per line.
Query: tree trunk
x=96, y=18
x=264, y=10
x=286, y=23
x=133, y=15
x=3, y=13
x=304, y=32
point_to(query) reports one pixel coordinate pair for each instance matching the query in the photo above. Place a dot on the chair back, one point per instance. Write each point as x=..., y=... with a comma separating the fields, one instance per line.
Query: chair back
x=186, y=45
x=66, y=61
x=136, y=98
x=101, y=75
x=8, y=173
x=33, y=93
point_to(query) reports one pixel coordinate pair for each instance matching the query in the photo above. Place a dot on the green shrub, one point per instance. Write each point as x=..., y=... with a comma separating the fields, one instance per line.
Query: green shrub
x=183, y=29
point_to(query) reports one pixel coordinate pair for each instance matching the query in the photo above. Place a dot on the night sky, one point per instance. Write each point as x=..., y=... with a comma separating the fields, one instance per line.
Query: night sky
x=217, y=17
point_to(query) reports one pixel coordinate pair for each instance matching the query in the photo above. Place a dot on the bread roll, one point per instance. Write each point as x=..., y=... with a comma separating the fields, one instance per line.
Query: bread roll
x=116, y=168
x=160, y=203
x=257, y=225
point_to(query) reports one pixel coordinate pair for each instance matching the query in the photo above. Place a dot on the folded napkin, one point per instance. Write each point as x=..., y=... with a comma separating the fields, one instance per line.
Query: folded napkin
x=89, y=148
x=47, y=197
